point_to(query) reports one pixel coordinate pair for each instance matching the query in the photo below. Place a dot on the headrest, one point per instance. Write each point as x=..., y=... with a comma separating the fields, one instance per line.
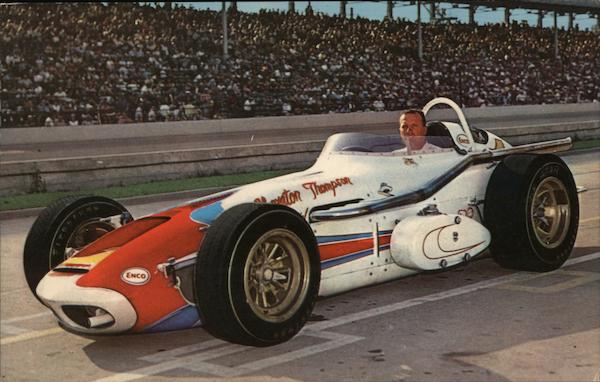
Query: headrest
x=438, y=134
x=437, y=129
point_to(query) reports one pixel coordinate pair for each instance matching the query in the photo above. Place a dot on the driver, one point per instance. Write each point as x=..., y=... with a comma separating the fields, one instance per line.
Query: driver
x=413, y=132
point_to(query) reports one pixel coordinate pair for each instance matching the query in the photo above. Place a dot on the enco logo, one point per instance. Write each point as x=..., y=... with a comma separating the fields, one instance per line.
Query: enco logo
x=135, y=276
x=462, y=139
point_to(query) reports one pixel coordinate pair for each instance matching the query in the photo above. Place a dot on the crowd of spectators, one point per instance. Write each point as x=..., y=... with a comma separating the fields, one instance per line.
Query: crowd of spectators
x=94, y=63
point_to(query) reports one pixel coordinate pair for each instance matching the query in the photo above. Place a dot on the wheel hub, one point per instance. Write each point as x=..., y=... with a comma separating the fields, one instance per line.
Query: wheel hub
x=276, y=275
x=550, y=212
x=267, y=275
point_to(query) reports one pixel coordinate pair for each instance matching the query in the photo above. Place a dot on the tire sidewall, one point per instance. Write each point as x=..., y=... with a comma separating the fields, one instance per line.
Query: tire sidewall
x=271, y=332
x=49, y=234
x=552, y=167
x=93, y=210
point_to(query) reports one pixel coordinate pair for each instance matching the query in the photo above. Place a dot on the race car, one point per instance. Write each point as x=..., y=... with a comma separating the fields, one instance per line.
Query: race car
x=248, y=264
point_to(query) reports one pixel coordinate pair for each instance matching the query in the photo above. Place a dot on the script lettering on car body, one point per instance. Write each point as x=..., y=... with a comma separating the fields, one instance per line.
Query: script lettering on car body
x=286, y=198
x=323, y=188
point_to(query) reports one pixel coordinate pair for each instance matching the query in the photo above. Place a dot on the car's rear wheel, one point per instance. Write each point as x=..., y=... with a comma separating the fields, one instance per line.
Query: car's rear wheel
x=257, y=275
x=65, y=227
x=532, y=211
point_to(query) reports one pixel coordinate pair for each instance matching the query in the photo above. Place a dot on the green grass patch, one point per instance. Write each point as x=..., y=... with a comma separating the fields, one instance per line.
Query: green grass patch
x=587, y=144
x=43, y=199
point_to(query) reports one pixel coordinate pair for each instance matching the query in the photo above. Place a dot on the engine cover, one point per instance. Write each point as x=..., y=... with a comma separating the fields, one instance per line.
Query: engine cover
x=437, y=241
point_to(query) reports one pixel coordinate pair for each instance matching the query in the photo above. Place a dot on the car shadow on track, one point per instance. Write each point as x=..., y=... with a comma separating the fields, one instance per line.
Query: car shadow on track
x=481, y=335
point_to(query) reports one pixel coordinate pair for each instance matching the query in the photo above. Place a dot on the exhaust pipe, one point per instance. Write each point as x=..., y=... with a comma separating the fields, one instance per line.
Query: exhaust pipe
x=101, y=320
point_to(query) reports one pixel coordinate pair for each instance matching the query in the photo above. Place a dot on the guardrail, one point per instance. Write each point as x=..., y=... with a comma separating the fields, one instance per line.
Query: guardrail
x=125, y=169
x=31, y=135
x=19, y=177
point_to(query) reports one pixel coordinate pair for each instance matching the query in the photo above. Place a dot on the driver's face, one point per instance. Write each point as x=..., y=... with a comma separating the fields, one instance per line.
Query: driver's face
x=411, y=125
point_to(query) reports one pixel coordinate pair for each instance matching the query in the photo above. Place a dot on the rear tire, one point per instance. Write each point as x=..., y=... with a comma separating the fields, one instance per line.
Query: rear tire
x=65, y=226
x=532, y=210
x=257, y=275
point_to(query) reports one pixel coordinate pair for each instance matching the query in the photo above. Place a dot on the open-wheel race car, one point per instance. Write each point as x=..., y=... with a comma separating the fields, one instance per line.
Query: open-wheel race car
x=247, y=264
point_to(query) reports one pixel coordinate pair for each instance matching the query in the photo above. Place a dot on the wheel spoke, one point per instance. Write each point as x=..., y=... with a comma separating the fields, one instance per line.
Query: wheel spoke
x=272, y=252
x=550, y=219
x=563, y=209
x=546, y=223
x=279, y=285
x=253, y=262
x=278, y=276
x=274, y=282
x=280, y=258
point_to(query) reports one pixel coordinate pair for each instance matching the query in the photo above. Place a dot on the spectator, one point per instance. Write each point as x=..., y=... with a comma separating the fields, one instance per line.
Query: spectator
x=48, y=122
x=139, y=115
x=73, y=120
x=152, y=115
x=167, y=64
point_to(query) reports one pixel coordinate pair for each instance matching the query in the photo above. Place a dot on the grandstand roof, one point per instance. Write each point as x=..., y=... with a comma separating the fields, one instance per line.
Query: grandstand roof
x=576, y=6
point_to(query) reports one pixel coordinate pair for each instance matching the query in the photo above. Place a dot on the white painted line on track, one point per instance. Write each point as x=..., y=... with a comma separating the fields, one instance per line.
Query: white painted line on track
x=7, y=328
x=520, y=276
x=174, y=364
x=198, y=362
x=12, y=330
x=30, y=335
x=595, y=218
x=581, y=259
x=336, y=340
x=25, y=318
x=171, y=355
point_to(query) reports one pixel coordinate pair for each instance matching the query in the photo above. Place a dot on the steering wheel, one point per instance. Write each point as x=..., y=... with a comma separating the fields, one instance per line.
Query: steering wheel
x=461, y=117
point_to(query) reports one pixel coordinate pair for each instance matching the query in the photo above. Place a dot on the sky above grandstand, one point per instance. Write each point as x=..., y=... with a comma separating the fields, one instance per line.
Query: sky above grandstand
x=377, y=11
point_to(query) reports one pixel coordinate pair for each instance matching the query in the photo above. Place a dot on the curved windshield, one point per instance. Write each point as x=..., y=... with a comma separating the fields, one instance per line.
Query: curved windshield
x=373, y=143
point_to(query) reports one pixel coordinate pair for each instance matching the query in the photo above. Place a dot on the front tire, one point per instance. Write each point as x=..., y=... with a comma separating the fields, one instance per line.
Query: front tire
x=62, y=229
x=257, y=275
x=532, y=211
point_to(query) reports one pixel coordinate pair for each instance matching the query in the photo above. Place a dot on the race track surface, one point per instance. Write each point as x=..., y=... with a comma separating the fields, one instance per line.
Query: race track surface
x=472, y=323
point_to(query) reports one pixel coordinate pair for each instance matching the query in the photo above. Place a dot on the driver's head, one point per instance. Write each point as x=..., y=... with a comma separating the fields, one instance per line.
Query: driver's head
x=413, y=129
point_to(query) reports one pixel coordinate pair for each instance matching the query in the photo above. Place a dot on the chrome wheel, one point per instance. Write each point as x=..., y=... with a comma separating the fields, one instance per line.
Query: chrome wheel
x=550, y=212
x=276, y=275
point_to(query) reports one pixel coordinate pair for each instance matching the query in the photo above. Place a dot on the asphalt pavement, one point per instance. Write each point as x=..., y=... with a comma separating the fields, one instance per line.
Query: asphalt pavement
x=477, y=322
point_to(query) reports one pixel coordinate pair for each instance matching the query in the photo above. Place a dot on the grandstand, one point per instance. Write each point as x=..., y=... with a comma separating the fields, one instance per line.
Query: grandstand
x=85, y=64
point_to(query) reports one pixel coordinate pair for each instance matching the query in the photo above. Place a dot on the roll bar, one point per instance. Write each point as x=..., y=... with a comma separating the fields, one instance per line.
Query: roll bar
x=459, y=113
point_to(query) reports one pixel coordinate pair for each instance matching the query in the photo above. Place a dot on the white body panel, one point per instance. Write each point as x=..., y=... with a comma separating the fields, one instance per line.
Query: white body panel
x=401, y=173
x=53, y=289
x=437, y=241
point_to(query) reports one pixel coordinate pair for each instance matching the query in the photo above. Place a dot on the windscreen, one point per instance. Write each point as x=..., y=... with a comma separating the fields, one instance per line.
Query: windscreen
x=374, y=143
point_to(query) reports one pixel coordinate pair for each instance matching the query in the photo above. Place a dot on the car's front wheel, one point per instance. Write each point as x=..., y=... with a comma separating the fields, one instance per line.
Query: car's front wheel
x=257, y=275
x=65, y=227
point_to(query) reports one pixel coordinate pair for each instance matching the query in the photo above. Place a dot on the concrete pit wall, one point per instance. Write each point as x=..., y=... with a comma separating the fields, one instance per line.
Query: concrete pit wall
x=124, y=169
